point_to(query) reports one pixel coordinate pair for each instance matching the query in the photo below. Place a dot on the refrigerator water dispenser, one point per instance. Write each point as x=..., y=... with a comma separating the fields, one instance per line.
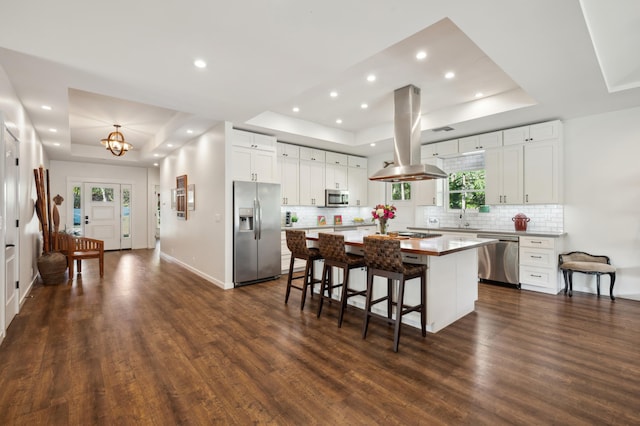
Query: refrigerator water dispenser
x=246, y=219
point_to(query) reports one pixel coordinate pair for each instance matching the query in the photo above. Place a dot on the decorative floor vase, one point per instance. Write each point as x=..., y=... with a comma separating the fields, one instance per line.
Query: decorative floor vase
x=52, y=267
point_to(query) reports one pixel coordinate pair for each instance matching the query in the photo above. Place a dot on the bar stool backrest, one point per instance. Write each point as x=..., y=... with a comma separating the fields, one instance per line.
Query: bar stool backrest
x=332, y=247
x=383, y=253
x=297, y=242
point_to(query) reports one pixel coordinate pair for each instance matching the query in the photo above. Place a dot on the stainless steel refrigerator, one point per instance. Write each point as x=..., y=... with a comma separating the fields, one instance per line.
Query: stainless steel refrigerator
x=256, y=232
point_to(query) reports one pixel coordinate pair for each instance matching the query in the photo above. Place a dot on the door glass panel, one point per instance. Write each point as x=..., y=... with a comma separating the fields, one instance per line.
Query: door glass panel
x=77, y=210
x=99, y=194
x=126, y=212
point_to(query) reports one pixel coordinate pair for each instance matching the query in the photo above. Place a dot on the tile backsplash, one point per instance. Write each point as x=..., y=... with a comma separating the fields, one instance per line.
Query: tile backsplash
x=308, y=216
x=544, y=217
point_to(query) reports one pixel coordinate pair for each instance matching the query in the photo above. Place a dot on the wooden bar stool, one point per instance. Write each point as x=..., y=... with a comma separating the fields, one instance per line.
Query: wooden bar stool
x=579, y=261
x=383, y=258
x=297, y=244
x=333, y=251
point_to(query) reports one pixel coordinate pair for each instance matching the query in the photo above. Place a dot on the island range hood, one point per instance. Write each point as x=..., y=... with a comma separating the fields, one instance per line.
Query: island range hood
x=406, y=143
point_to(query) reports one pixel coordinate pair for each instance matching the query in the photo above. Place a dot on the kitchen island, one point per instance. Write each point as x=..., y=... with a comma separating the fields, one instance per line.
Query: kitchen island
x=452, y=275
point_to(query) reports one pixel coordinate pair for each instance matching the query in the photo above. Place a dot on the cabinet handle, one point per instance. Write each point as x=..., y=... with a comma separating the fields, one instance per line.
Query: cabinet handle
x=536, y=276
x=536, y=257
x=505, y=199
x=411, y=257
x=434, y=200
x=526, y=197
x=500, y=199
x=536, y=242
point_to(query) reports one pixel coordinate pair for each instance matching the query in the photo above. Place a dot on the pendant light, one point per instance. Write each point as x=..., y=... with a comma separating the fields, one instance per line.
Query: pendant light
x=115, y=142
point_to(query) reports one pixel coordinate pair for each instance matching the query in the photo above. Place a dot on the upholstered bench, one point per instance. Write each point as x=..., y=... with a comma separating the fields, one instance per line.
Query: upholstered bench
x=578, y=261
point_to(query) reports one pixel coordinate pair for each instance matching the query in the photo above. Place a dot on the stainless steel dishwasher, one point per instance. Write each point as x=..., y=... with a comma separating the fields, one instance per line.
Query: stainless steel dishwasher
x=499, y=262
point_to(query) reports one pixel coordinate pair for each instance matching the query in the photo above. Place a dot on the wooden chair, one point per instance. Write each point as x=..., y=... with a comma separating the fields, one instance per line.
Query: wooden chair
x=579, y=261
x=297, y=244
x=335, y=255
x=383, y=258
x=78, y=249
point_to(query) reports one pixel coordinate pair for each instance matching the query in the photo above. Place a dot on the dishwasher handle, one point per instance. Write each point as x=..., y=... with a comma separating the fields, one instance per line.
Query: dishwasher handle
x=513, y=238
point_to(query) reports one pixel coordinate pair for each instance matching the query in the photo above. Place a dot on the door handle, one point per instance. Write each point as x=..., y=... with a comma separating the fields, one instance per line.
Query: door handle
x=9, y=245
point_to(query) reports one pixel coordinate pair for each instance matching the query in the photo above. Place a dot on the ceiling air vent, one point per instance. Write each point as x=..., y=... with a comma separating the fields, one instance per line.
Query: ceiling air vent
x=443, y=129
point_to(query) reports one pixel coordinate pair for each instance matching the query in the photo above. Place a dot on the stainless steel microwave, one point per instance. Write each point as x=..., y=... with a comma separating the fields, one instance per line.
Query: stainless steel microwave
x=336, y=198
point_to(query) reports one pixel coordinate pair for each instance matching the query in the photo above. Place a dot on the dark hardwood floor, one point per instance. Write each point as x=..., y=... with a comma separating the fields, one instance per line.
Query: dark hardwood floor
x=152, y=343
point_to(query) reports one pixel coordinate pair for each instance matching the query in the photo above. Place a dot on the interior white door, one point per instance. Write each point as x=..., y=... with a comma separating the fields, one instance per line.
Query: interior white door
x=102, y=213
x=11, y=238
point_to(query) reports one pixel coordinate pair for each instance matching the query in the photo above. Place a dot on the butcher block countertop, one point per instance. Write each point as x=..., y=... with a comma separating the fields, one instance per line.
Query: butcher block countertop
x=433, y=246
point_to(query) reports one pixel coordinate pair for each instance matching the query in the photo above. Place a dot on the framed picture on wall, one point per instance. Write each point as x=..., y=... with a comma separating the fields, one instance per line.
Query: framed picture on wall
x=181, y=197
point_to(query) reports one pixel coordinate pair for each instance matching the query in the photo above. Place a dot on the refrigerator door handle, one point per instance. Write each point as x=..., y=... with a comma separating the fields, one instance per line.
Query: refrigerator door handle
x=259, y=220
x=256, y=219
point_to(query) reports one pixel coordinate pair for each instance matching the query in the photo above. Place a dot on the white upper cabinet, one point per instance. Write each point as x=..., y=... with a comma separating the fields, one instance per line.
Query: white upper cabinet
x=358, y=181
x=311, y=154
x=542, y=176
x=289, y=173
x=429, y=192
x=358, y=162
x=439, y=149
x=479, y=142
x=253, y=157
x=312, y=183
x=504, y=175
x=336, y=158
x=532, y=133
x=336, y=170
x=288, y=150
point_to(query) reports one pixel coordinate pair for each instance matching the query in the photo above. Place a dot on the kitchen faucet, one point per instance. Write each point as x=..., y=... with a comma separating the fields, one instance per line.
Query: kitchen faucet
x=463, y=218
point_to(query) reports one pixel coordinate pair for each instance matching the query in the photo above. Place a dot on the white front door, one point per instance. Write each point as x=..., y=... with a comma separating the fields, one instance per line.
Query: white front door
x=11, y=236
x=102, y=213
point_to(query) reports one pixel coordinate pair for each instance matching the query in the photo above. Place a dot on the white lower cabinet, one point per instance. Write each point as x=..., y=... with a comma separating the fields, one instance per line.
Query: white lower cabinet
x=539, y=264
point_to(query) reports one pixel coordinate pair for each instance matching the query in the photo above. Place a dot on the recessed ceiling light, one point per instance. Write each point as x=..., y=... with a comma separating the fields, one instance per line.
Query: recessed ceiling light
x=52, y=130
x=364, y=106
x=56, y=144
x=372, y=144
x=199, y=63
x=296, y=109
x=333, y=94
x=189, y=131
x=156, y=155
x=421, y=55
x=170, y=145
x=155, y=164
x=479, y=95
x=46, y=107
x=371, y=77
x=339, y=121
x=449, y=75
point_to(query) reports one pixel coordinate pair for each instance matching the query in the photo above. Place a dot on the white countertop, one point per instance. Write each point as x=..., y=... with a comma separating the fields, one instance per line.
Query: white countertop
x=489, y=231
x=435, y=246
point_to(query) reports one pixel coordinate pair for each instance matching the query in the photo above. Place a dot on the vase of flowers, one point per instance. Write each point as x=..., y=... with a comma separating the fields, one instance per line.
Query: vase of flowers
x=383, y=213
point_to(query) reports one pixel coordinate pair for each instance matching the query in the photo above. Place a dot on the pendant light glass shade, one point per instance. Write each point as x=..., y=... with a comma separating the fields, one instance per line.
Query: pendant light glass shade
x=115, y=142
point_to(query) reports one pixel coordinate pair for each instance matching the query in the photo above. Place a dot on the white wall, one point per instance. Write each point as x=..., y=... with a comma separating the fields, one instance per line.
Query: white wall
x=203, y=242
x=64, y=173
x=602, y=195
x=31, y=156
